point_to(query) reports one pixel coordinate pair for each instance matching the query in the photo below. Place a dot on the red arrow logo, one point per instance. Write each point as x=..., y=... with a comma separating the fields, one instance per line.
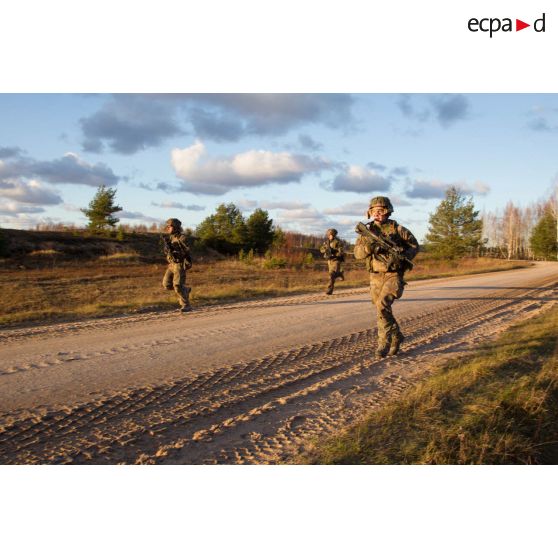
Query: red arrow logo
x=519, y=25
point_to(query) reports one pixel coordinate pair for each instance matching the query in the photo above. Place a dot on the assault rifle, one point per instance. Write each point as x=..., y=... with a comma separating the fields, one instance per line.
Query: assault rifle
x=385, y=249
x=327, y=250
x=174, y=251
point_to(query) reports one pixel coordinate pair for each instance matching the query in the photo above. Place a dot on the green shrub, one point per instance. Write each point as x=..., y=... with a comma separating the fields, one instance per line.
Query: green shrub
x=308, y=260
x=120, y=233
x=274, y=263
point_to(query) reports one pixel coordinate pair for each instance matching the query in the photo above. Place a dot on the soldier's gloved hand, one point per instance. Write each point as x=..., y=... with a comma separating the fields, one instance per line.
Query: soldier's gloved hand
x=187, y=265
x=394, y=263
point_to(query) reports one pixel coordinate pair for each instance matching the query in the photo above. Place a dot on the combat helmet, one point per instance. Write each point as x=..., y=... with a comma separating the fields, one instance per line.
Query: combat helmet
x=331, y=231
x=381, y=201
x=174, y=223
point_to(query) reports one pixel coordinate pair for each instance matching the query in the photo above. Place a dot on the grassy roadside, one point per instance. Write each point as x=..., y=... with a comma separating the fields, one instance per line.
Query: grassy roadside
x=497, y=407
x=120, y=283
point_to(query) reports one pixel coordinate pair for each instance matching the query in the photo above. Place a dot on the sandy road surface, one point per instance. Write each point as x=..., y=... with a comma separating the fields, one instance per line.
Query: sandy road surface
x=244, y=383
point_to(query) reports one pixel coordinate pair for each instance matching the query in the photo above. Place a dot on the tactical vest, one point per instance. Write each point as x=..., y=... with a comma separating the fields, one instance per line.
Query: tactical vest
x=175, y=249
x=389, y=229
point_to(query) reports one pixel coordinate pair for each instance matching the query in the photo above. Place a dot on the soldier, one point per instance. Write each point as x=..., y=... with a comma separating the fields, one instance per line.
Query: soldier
x=178, y=255
x=332, y=249
x=386, y=273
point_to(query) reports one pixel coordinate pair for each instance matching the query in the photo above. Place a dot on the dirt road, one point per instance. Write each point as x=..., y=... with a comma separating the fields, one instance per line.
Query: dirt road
x=244, y=383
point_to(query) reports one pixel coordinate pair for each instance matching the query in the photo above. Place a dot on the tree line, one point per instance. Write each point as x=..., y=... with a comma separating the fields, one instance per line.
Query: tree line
x=455, y=228
x=228, y=232
x=522, y=233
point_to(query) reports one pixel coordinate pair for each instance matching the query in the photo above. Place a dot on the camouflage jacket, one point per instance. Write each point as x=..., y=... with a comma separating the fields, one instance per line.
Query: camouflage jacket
x=333, y=250
x=176, y=248
x=395, y=232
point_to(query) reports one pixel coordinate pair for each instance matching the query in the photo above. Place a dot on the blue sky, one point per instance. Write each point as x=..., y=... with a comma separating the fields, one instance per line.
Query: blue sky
x=312, y=160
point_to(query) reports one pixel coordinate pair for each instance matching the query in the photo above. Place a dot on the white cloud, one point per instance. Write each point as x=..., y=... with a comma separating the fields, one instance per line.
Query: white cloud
x=301, y=214
x=360, y=179
x=178, y=205
x=432, y=189
x=16, y=208
x=252, y=168
x=355, y=208
x=30, y=192
x=136, y=215
x=71, y=207
x=68, y=169
x=447, y=108
x=129, y=123
x=284, y=205
x=246, y=205
x=273, y=204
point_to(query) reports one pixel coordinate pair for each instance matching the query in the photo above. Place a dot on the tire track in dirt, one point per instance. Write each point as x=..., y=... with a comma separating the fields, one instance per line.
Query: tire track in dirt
x=261, y=411
x=186, y=337
x=378, y=380
x=70, y=356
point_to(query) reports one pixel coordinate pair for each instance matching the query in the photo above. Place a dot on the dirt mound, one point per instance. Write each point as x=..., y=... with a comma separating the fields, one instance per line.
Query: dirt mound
x=38, y=248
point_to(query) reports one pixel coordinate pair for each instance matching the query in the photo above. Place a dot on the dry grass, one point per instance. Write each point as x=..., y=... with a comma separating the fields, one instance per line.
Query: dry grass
x=430, y=268
x=47, y=252
x=498, y=407
x=120, y=283
x=120, y=257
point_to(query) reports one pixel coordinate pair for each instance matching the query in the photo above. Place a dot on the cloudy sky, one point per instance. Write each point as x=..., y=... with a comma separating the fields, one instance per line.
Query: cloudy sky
x=312, y=160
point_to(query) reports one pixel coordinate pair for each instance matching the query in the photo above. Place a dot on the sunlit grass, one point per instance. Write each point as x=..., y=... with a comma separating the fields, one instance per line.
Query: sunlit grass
x=497, y=407
x=120, y=256
x=46, y=252
x=119, y=283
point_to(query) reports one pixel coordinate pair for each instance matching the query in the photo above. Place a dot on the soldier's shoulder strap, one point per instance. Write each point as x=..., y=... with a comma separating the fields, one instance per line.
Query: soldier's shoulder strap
x=182, y=239
x=393, y=226
x=404, y=232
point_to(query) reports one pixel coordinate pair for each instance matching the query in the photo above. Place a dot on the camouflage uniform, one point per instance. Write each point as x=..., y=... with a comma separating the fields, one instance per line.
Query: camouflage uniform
x=386, y=285
x=178, y=256
x=335, y=259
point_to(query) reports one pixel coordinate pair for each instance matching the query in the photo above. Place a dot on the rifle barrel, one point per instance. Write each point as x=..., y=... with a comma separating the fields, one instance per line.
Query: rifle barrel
x=386, y=243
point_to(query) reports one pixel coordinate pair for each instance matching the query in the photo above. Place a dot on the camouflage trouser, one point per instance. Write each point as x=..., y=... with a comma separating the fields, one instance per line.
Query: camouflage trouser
x=385, y=288
x=335, y=268
x=175, y=278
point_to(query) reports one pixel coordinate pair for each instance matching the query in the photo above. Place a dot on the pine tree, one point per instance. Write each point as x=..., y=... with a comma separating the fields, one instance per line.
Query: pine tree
x=101, y=210
x=455, y=228
x=259, y=231
x=543, y=238
x=225, y=230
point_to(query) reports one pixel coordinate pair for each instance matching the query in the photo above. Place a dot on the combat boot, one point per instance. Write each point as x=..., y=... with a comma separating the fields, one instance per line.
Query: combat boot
x=382, y=348
x=186, y=307
x=331, y=283
x=396, y=340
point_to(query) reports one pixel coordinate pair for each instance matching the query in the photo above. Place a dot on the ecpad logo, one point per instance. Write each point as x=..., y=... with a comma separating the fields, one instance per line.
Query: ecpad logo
x=493, y=25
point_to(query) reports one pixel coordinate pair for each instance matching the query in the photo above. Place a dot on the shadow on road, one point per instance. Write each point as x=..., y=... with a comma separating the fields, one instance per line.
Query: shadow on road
x=456, y=298
x=487, y=288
